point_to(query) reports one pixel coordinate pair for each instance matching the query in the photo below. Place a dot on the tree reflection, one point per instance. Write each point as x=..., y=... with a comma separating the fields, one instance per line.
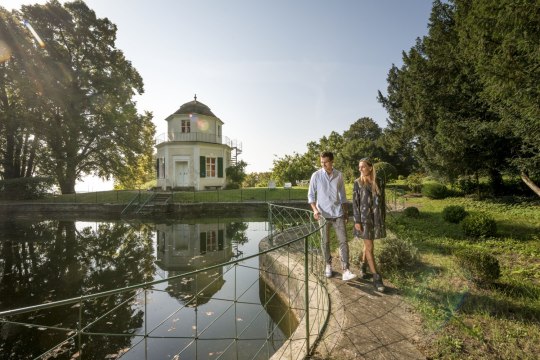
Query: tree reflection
x=52, y=260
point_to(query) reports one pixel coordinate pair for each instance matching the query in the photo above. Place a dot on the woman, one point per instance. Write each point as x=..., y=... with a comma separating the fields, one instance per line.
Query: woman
x=369, y=216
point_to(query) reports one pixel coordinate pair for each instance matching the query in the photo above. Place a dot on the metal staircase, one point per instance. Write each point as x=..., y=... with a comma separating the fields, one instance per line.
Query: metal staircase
x=154, y=203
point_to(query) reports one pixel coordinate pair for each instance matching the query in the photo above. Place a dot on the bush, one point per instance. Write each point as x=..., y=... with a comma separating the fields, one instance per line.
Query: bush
x=454, y=213
x=396, y=254
x=435, y=191
x=480, y=267
x=479, y=225
x=414, y=182
x=411, y=212
x=26, y=188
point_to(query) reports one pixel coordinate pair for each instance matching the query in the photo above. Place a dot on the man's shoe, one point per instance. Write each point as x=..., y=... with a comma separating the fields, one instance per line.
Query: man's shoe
x=328, y=271
x=378, y=283
x=363, y=270
x=348, y=275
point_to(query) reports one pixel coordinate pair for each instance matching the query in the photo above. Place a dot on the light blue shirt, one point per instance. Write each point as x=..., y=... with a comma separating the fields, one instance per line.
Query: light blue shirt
x=328, y=192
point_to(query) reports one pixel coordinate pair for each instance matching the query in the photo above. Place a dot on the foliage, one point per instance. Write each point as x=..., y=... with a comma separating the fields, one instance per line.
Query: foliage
x=19, y=134
x=411, y=212
x=454, y=213
x=26, y=188
x=236, y=174
x=142, y=175
x=75, y=95
x=396, y=254
x=414, y=181
x=292, y=168
x=479, y=225
x=435, y=190
x=361, y=140
x=438, y=100
x=500, y=39
x=257, y=179
x=479, y=266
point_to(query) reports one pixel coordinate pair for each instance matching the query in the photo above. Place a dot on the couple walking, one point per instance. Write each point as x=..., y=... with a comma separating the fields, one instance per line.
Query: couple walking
x=327, y=198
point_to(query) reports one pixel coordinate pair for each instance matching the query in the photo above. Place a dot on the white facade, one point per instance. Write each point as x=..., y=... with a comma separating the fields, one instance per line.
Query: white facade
x=193, y=153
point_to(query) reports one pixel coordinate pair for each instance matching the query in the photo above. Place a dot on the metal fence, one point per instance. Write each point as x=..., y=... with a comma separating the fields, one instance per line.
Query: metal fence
x=289, y=264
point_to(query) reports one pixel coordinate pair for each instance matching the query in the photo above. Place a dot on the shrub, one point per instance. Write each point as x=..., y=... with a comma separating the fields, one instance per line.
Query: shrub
x=414, y=182
x=479, y=225
x=396, y=254
x=26, y=188
x=411, y=212
x=454, y=213
x=480, y=267
x=435, y=191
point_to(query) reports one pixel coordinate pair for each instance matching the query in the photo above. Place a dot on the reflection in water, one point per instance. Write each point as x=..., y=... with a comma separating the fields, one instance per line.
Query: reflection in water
x=51, y=260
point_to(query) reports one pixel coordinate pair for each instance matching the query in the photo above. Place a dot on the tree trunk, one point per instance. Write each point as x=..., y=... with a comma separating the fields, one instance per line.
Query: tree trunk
x=530, y=183
x=496, y=182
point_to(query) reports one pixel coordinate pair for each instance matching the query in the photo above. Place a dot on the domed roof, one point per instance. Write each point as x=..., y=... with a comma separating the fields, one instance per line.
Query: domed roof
x=196, y=107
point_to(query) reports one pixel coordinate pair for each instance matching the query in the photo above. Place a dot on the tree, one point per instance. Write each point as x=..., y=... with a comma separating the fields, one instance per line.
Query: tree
x=360, y=141
x=292, y=168
x=87, y=118
x=435, y=107
x=236, y=174
x=19, y=140
x=501, y=39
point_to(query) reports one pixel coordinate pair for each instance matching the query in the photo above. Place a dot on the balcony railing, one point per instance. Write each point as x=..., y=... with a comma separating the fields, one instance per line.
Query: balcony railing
x=201, y=137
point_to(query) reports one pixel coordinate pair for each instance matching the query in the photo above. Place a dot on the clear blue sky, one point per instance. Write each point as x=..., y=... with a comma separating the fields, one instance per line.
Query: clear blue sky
x=278, y=73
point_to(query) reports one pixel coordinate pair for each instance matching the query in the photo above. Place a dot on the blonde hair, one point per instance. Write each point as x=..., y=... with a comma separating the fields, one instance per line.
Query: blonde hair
x=363, y=180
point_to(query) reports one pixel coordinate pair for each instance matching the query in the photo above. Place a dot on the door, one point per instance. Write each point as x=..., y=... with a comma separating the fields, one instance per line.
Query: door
x=182, y=173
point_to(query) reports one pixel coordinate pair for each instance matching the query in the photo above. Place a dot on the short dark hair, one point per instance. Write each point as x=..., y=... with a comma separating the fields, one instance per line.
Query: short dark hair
x=327, y=154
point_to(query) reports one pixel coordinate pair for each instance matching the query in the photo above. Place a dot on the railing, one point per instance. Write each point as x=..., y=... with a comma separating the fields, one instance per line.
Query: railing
x=289, y=262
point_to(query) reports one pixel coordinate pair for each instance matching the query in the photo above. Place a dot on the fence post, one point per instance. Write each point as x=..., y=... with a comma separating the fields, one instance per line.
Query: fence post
x=306, y=291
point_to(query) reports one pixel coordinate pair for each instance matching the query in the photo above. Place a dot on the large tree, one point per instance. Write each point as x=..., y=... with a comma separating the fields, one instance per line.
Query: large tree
x=501, y=39
x=435, y=106
x=19, y=66
x=87, y=116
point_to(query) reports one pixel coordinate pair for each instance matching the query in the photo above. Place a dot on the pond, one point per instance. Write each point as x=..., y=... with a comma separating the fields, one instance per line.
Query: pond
x=186, y=317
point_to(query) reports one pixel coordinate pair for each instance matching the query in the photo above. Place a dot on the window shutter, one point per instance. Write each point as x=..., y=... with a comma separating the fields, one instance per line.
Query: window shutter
x=157, y=168
x=221, y=239
x=202, y=169
x=202, y=242
x=220, y=167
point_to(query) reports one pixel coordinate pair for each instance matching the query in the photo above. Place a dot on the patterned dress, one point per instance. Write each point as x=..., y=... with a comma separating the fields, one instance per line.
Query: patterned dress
x=369, y=210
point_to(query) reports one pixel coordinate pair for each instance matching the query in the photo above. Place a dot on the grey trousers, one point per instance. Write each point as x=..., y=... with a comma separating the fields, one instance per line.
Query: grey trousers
x=341, y=233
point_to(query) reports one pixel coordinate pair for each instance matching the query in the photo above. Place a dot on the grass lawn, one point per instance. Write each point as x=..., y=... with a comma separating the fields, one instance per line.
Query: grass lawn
x=461, y=320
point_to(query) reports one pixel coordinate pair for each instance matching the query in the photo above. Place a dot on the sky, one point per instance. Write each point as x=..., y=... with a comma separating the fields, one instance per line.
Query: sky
x=278, y=73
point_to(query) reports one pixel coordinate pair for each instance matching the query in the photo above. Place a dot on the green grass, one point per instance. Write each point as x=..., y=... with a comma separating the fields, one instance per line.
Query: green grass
x=461, y=320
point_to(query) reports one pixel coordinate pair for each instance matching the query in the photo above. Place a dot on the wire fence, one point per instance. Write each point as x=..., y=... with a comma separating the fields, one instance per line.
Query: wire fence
x=289, y=268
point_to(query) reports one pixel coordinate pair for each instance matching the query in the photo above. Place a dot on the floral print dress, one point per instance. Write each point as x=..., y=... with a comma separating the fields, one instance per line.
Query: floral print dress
x=369, y=210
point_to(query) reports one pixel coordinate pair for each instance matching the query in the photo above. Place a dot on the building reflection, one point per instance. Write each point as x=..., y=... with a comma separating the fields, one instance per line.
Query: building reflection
x=185, y=247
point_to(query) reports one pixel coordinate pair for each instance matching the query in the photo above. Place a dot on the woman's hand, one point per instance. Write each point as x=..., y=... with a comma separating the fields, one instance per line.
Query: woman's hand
x=358, y=227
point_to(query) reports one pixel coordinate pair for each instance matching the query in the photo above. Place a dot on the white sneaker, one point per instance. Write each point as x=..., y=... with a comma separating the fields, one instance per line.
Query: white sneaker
x=328, y=271
x=348, y=275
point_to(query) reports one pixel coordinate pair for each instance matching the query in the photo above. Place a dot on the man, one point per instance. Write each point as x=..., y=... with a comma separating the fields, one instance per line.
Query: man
x=327, y=198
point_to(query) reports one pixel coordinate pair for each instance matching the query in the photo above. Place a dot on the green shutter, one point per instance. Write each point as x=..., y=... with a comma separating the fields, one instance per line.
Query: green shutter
x=202, y=242
x=203, y=167
x=220, y=167
x=221, y=239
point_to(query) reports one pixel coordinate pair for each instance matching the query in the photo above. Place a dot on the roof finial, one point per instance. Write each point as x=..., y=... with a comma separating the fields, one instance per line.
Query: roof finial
x=195, y=97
